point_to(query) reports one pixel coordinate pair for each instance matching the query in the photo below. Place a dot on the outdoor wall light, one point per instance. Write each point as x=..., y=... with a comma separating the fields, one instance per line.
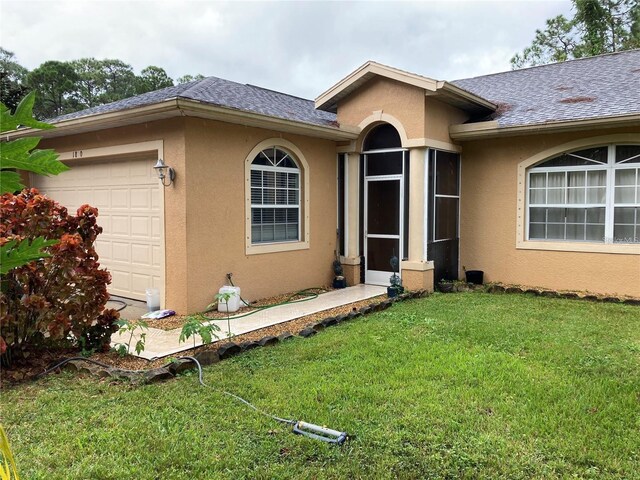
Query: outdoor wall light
x=164, y=171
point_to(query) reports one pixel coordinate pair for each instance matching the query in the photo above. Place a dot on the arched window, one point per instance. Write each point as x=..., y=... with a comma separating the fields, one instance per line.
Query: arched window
x=382, y=136
x=590, y=195
x=275, y=197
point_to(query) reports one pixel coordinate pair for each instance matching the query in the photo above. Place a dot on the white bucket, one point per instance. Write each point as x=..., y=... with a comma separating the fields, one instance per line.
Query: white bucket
x=233, y=304
x=153, y=299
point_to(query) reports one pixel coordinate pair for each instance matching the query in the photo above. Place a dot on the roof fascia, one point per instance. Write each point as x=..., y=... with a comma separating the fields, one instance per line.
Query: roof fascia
x=491, y=129
x=328, y=99
x=464, y=95
x=178, y=107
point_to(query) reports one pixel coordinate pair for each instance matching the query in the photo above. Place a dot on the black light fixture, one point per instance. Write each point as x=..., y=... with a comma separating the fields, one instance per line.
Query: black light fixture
x=164, y=172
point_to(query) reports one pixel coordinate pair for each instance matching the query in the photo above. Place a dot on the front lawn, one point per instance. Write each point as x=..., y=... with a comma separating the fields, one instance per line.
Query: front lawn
x=451, y=386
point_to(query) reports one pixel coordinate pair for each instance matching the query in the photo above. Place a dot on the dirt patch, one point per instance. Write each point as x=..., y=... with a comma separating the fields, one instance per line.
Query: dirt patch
x=577, y=100
x=501, y=110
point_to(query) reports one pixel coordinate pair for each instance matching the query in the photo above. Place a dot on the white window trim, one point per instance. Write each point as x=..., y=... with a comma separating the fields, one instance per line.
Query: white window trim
x=523, y=243
x=304, y=226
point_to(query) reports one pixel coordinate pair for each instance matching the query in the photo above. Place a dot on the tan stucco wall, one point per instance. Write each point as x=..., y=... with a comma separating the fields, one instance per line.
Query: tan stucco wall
x=488, y=224
x=439, y=116
x=205, y=209
x=171, y=132
x=404, y=102
x=215, y=228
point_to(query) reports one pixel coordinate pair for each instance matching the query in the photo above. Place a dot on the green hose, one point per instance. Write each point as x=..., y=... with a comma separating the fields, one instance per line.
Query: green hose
x=307, y=295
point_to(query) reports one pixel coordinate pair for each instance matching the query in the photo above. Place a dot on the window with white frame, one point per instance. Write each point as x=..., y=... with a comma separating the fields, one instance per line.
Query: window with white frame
x=590, y=195
x=275, y=197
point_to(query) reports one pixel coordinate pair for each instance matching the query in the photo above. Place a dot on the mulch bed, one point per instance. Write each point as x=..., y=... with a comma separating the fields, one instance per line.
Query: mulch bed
x=176, y=321
x=39, y=361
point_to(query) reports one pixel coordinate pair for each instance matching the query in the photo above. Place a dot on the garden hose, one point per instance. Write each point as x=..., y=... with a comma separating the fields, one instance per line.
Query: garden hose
x=307, y=295
x=122, y=303
x=310, y=430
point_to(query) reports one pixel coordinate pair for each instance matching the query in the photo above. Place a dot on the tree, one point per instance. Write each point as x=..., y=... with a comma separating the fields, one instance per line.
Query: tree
x=152, y=78
x=119, y=80
x=55, y=83
x=91, y=83
x=190, y=78
x=12, y=77
x=598, y=26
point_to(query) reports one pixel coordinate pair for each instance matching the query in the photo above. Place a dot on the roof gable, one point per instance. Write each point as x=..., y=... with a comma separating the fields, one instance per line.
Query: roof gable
x=328, y=100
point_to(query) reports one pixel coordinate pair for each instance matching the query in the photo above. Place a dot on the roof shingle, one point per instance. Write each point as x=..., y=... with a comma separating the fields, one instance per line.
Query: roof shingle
x=594, y=87
x=223, y=93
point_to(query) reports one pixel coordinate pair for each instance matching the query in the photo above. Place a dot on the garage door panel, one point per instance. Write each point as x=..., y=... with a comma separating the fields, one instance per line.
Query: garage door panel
x=100, y=199
x=127, y=195
x=156, y=255
x=119, y=226
x=141, y=198
x=155, y=199
x=140, y=227
x=142, y=254
x=121, y=252
x=156, y=228
x=120, y=198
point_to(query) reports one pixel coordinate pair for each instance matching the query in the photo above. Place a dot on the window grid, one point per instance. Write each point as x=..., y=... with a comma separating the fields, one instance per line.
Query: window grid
x=275, y=198
x=596, y=202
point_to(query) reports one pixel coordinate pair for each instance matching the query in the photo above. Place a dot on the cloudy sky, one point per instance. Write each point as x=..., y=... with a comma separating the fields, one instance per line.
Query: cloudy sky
x=301, y=48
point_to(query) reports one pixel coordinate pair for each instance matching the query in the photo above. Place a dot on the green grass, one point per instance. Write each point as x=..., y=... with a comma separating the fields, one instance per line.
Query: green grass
x=451, y=386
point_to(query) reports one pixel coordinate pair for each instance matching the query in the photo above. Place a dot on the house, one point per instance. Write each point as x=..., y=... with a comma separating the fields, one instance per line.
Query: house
x=532, y=176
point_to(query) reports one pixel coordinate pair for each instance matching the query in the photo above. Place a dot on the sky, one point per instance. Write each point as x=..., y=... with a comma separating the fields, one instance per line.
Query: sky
x=297, y=47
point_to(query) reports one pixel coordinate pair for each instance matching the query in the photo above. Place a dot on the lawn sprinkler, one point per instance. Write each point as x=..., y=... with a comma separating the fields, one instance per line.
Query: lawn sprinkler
x=319, y=433
x=395, y=288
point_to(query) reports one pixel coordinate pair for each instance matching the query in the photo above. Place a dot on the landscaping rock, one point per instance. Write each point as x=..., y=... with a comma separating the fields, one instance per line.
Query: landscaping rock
x=342, y=318
x=549, y=294
x=157, y=375
x=631, y=301
x=591, y=298
x=571, y=295
x=386, y=304
x=307, y=332
x=354, y=314
x=249, y=345
x=285, y=336
x=610, y=299
x=365, y=310
x=181, y=365
x=208, y=357
x=330, y=321
x=228, y=350
x=317, y=326
x=103, y=372
x=72, y=366
x=269, y=340
x=513, y=290
x=532, y=291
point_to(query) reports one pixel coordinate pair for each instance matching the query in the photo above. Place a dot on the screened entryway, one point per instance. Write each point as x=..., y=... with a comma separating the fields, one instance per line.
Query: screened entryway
x=384, y=214
x=443, y=214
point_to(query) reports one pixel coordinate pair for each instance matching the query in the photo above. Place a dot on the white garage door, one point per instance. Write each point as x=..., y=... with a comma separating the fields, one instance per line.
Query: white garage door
x=127, y=195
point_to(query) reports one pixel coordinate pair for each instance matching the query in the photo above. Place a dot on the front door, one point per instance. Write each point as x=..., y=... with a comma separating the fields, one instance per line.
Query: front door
x=383, y=219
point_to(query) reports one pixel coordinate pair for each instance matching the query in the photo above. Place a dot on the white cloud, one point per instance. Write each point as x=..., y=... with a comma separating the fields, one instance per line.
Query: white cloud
x=299, y=48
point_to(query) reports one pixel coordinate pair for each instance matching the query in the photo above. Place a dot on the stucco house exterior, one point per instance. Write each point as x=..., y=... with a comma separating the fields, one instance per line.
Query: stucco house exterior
x=532, y=176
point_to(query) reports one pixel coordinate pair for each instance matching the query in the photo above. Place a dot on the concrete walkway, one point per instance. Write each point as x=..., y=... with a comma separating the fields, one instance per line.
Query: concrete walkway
x=161, y=343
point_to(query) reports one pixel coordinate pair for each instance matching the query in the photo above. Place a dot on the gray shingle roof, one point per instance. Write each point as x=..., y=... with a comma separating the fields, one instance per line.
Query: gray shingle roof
x=223, y=93
x=602, y=86
x=606, y=85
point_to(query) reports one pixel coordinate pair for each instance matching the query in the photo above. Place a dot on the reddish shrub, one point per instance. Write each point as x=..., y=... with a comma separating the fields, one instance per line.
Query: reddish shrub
x=60, y=299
